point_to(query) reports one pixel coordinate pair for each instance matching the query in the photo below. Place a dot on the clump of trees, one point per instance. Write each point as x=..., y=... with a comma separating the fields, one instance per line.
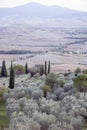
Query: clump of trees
x=45, y=69
x=3, y=69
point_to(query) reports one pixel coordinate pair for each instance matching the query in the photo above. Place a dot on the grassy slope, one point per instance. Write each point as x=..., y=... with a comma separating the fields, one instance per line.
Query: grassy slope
x=4, y=120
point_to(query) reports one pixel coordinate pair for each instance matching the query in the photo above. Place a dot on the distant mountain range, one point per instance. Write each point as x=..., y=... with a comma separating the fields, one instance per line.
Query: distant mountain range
x=38, y=10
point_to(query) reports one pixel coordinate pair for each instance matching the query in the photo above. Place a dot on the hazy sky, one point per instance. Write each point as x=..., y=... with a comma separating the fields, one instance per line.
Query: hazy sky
x=74, y=4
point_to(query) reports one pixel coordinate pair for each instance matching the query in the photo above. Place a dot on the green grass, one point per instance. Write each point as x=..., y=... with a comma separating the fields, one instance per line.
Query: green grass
x=4, y=120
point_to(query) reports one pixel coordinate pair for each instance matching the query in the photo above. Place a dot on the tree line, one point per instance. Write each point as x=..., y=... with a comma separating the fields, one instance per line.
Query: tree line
x=43, y=69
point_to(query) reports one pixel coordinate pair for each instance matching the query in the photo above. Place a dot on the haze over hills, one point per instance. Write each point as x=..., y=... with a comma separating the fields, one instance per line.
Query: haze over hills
x=41, y=14
x=38, y=10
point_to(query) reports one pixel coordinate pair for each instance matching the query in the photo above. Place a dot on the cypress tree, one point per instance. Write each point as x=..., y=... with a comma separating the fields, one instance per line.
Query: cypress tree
x=3, y=69
x=41, y=70
x=12, y=77
x=49, y=67
x=26, y=68
x=45, y=69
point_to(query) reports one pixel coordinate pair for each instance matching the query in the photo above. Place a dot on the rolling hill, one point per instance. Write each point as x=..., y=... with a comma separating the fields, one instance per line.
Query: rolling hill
x=38, y=10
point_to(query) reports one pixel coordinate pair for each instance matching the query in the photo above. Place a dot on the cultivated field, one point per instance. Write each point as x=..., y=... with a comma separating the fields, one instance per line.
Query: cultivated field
x=65, y=47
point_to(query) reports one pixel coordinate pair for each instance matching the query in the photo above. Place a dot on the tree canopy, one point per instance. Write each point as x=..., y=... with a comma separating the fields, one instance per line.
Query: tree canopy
x=80, y=82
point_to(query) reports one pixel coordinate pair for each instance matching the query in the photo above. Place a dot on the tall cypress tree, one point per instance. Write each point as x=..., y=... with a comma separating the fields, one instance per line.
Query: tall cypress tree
x=26, y=68
x=12, y=77
x=49, y=67
x=41, y=70
x=3, y=69
x=45, y=69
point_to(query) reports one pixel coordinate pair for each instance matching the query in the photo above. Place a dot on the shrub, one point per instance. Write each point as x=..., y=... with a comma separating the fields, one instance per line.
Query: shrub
x=61, y=83
x=84, y=71
x=60, y=126
x=51, y=96
x=44, y=120
x=21, y=122
x=29, y=106
x=62, y=95
x=37, y=94
x=46, y=89
x=58, y=91
x=68, y=86
x=2, y=91
x=77, y=124
x=80, y=82
x=12, y=106
x=51, y=79
x=19, y=69
x=49, y=107
x=78, y=70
